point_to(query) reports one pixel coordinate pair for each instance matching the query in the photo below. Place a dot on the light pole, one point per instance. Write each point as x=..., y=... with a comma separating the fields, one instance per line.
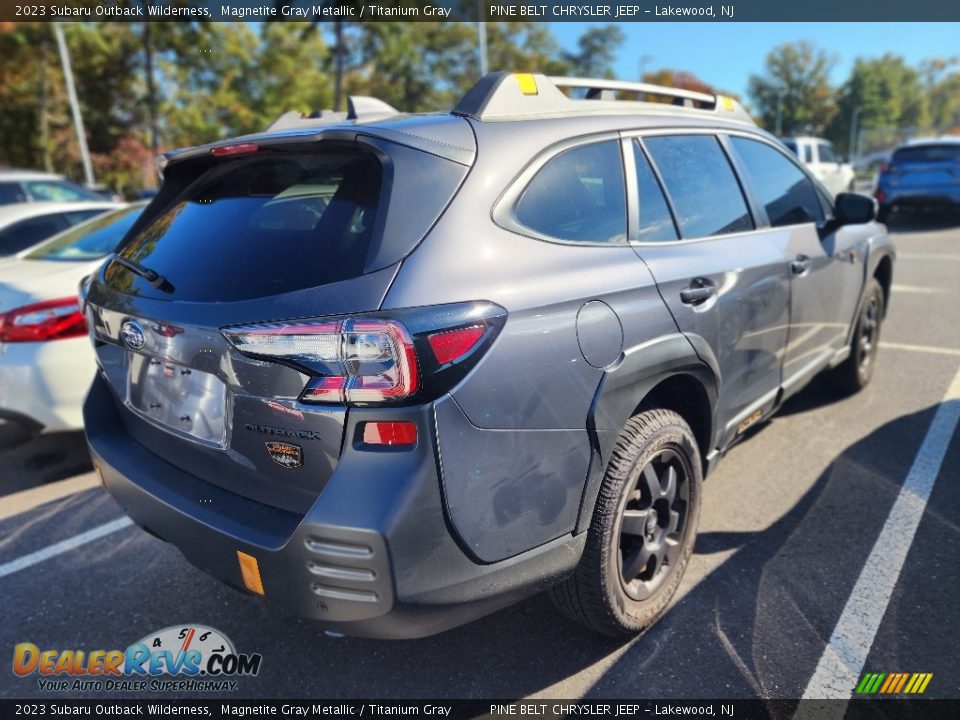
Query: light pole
x=74, y=103
x=852, y=147
x=642, y=63
x=482, y=40
x=779, y=123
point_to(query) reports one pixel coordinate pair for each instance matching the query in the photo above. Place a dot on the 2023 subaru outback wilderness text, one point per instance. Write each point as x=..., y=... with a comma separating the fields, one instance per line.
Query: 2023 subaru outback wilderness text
x=396, y=375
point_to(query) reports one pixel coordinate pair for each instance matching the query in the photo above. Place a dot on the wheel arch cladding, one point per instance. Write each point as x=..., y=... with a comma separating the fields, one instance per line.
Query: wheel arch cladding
x=667, y=374
x=884, y=275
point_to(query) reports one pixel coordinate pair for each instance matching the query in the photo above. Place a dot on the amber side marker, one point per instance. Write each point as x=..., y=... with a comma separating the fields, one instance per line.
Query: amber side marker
x=250, y=571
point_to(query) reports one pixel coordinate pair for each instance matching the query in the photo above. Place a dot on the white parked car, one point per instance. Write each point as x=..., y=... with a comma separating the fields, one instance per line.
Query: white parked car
x=27, y=224
x=24, y=186
x=836, y=174
x=46, y=362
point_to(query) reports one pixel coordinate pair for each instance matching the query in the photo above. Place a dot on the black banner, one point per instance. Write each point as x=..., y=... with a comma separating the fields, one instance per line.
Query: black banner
x=858, y=709
x=853, y=11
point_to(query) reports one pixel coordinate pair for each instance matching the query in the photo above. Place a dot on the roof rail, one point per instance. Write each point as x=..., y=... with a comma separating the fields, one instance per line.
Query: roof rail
x=360, y=108
x=519, y=96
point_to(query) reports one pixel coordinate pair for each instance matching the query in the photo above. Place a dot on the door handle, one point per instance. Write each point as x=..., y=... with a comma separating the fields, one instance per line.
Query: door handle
x=699, y=292
x=800, y=265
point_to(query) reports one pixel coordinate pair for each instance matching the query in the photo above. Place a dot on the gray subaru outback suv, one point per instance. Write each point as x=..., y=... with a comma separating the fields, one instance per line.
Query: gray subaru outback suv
x=397, y=374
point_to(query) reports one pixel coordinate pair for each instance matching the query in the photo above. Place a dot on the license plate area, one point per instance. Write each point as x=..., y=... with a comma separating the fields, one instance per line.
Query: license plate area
x=181, y=400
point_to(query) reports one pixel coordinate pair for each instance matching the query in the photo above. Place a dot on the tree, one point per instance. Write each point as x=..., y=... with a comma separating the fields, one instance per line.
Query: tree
x=794, y=94
x=596, y=52
x=941, y=78
x=414, y=66
x=885, y=93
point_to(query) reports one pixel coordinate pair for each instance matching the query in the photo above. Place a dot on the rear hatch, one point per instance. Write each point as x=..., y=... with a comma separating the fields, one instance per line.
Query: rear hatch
x=926, y=166
x=255, y=233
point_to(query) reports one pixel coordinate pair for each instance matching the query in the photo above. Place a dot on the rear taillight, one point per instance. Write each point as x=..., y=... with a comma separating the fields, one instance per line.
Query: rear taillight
x=885, y=168
x=367, y=360
x=450, y=345
x=412, y=356
x=50, y=320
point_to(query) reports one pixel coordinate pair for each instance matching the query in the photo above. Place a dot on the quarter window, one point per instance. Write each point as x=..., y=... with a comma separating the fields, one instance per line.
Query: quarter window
x=655, y=221
x=699, y=180
x=785, y=191
x=578, y=195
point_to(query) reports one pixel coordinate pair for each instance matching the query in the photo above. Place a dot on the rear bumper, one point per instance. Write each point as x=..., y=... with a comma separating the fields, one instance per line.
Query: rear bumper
x=921, y=196
x=373, y=557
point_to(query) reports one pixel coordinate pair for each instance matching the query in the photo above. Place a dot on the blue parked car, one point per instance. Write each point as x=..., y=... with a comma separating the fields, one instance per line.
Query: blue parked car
x=921, y=174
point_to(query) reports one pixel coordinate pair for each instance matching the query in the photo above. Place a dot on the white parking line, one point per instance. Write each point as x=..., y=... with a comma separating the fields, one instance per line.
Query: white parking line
x=919, y=289
x=844, y=656
x=927, y=256
x=64, y=546
x=920, y=348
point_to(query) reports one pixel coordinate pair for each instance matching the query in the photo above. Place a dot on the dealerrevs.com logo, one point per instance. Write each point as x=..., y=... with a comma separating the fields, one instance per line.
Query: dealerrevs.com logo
x=178, y=658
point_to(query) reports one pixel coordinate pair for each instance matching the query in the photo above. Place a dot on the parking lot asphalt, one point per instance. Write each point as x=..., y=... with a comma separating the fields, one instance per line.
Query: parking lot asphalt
x=790, y=520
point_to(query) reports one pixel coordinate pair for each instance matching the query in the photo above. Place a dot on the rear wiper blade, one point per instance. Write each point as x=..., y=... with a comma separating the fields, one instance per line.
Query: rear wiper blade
x=151, y=276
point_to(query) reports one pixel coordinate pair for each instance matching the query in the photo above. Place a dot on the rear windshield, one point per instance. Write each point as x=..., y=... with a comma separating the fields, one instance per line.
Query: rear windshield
x=928, y=154
x=91, y=240
x=261, y=225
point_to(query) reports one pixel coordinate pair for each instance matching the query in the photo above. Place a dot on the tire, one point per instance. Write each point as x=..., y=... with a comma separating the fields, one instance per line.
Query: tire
x=855, y=372
x=638, y=515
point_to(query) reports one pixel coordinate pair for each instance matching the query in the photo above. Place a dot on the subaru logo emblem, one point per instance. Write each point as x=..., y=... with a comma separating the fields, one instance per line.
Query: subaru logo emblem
x=132, y=334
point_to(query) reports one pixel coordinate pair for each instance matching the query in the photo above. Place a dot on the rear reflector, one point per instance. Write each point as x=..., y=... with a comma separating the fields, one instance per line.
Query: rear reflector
x=50, y=320
x=454, y=344
x=389, y=433
x=241, y=149
x=250, y=571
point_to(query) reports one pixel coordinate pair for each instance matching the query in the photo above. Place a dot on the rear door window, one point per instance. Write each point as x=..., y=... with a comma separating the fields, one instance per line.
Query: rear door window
x=784, y=189
x=826, y=153
x=705, y=193
x=91, y=241
x=578, y=195
x=656, y=223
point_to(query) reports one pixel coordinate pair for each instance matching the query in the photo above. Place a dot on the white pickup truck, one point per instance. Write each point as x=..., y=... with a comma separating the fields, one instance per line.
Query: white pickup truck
x=835, y=173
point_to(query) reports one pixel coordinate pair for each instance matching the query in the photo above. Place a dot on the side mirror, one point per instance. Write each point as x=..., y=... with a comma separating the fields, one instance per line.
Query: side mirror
x=854, y=209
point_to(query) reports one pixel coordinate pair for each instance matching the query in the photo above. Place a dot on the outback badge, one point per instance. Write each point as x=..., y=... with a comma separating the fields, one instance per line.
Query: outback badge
x=285, y=454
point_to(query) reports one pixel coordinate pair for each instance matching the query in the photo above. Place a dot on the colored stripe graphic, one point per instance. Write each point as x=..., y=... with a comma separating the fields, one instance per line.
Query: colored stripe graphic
x=894, y=683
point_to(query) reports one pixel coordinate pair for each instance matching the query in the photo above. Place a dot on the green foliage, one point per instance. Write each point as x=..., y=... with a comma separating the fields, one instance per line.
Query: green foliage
x=596, y=52
x=216, y=80
x=794, y=87
x=886, y=91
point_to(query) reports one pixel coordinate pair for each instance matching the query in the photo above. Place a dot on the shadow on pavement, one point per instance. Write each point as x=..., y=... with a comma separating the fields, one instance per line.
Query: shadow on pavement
x=43, y=459
x=922, y=221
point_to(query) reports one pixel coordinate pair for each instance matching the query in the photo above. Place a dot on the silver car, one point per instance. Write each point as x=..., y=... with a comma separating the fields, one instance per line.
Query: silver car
x=394, y=375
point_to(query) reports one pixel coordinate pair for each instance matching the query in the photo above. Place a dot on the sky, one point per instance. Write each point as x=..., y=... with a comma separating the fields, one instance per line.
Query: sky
x=726, y=54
